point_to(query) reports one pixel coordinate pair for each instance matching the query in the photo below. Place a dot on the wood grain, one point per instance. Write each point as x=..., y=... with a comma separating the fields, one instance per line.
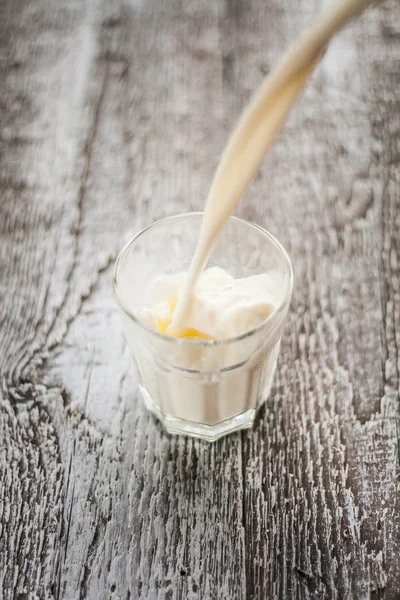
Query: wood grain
x=113, y=114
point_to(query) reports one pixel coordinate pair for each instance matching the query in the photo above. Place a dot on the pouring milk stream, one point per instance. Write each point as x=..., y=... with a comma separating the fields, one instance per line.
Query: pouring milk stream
x=254, y=135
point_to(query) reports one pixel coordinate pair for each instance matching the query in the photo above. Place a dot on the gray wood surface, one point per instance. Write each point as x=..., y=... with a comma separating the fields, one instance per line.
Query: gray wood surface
x=113, y=114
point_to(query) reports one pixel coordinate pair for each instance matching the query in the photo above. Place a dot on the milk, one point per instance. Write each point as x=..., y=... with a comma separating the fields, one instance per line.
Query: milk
x=254, y=135
x=211, y=381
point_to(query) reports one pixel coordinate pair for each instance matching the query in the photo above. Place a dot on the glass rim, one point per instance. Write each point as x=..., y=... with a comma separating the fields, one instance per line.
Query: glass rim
x=190, y=341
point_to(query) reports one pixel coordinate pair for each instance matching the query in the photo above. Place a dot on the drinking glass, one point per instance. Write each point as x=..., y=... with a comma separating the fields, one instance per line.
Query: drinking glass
x=205, y=389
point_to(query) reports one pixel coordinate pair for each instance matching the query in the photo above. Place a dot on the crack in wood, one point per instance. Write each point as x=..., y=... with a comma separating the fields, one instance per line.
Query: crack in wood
x=82, y=191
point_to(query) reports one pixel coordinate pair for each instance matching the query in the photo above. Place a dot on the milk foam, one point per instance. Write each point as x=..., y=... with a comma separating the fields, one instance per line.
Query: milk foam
x=222, y=307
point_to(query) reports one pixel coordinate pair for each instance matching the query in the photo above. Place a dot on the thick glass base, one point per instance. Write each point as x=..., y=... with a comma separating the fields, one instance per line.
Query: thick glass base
x=210, y=433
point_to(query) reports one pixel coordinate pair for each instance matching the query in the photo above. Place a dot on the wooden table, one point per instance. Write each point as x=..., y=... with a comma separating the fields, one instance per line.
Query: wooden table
x=113, y=114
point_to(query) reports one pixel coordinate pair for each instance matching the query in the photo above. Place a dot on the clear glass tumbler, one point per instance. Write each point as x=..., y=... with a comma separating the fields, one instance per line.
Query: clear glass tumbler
x=200, y=388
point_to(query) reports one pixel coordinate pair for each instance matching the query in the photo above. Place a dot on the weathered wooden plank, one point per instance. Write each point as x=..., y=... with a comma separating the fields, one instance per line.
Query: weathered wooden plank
x=113, y=115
